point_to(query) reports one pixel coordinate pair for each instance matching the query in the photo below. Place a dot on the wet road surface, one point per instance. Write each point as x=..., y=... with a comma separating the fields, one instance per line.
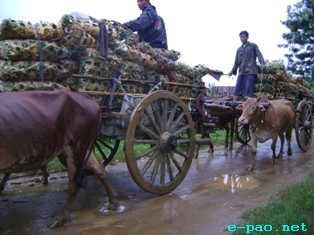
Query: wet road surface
x=213, y=195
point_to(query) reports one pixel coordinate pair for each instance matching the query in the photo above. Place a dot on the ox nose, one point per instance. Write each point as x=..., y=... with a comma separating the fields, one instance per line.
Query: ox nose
x=242, y=120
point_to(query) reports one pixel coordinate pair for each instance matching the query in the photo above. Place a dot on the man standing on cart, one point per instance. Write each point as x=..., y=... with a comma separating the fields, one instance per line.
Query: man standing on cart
x=245, y=63
x=149, y=25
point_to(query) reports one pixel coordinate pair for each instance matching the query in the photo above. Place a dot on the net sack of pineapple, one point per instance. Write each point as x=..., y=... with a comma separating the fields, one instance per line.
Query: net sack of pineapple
x=6, y=86
x=275, y=82
x=18, y=29
x=31, y=49
x=34, y=70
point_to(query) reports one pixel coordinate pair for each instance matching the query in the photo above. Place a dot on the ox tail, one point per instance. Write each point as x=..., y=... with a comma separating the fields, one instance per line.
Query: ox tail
x=81, y=175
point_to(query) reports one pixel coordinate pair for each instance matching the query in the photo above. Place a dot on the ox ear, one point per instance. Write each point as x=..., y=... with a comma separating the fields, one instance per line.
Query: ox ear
x=261, y=107
x=262, y=98
x=239, y=106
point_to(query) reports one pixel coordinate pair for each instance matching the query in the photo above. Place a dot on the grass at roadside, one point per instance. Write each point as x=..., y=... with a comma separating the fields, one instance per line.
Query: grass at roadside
x=291, y=211
x=217, y=137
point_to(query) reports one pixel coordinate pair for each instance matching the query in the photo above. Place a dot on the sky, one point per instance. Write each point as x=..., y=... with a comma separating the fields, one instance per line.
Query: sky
x=204, y=32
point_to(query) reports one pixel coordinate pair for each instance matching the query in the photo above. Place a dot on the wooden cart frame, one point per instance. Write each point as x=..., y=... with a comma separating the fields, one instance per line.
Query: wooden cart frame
x=158, y=129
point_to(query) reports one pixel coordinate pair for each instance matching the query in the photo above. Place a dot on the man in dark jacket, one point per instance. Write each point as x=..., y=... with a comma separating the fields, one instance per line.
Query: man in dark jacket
x=245, y=61
x=149, y=26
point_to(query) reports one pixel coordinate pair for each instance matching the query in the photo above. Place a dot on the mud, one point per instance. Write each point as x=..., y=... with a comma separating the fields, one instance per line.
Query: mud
x=213, y=195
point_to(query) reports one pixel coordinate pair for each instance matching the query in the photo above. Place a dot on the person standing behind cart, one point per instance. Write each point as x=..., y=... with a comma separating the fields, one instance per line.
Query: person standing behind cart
x=149, y=25
x=245, y=64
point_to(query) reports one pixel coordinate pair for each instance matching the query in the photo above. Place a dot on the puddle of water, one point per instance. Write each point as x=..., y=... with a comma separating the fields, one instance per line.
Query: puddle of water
x=233, y=183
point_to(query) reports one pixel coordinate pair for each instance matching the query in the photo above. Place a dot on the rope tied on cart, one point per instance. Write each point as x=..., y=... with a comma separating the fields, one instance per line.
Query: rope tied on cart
x=40, y=54
x=103, y=39
x=261, y=83
x=115, y=83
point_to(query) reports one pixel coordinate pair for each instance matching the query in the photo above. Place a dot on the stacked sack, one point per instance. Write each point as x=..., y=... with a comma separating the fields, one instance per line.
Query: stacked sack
x=22, y=67
x=46, y=55
x=275, y=82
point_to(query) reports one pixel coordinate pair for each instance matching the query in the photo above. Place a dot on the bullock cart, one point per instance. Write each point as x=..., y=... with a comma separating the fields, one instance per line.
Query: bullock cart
x=158, y=129
x=303, y=125
x=152, y=107
x=155, y=116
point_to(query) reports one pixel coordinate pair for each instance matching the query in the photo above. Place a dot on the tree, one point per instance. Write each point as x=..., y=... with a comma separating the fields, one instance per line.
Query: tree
x=300, y=39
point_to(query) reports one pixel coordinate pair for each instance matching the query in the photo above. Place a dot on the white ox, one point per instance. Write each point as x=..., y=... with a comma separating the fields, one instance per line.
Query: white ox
x=268, y=121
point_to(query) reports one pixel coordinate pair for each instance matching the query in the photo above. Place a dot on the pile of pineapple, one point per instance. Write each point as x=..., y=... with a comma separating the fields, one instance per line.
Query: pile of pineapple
x=45, y=56
x=275, y=82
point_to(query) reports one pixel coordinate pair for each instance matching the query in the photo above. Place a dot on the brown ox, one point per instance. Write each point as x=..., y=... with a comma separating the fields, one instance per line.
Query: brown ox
x=268, y=123
x=36, y=126
x=225, y=120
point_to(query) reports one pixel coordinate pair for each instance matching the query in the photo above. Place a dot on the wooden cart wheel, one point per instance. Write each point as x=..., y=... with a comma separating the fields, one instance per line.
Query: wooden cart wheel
x=303, y=125
x=160, y=142
x=242, y=132
x=107, y=148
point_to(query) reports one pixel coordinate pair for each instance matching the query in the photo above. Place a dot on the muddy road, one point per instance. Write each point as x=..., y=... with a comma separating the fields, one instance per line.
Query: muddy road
x=213, y=195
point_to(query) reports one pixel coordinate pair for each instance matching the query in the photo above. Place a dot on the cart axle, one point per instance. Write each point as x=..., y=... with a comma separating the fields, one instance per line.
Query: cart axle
x=167, y=142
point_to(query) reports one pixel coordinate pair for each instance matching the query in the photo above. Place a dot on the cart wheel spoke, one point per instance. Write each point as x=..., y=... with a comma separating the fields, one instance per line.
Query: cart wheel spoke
x=106, y=148
x=148, y=163
x=147, y=152
x=154, y=170
x=171, y=116
x=148, y=131
x=163, y=171
x=165, y=110
x=152, y=122
x=168, y=165
x=157, y=113
x=176, y=163
x=176, y=123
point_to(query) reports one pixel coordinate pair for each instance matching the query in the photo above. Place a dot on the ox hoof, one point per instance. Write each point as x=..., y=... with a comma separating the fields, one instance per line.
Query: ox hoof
x=44, y=181
x=56, y=222
x=280, y=156
x=113, y=206
x=249, y=167
x=289, y=152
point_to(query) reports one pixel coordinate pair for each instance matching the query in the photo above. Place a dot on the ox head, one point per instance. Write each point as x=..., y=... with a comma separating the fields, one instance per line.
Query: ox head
x=251, y=111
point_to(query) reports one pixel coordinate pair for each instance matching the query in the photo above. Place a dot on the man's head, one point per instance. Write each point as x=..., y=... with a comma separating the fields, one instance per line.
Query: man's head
x=142, y=3
x=244, y=35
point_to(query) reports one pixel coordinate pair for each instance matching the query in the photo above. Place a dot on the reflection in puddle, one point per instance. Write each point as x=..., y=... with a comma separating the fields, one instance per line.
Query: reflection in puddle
x=234, y=182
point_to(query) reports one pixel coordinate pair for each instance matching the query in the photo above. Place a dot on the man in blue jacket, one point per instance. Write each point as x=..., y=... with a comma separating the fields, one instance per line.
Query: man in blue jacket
x=245, y=63
x=149, y=26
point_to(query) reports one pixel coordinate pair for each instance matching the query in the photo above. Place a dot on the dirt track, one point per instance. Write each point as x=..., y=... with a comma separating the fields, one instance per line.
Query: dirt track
x=214, y=194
